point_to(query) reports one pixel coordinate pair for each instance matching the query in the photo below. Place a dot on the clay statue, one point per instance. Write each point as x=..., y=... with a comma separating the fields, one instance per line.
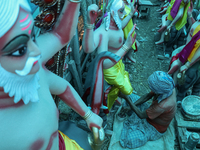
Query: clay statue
x=109, y=37
x=164, y=7
x=185, y=63
x=177, y=38
x=149, y=123
x=28, y=114
x=176, y=15
x=129, y=26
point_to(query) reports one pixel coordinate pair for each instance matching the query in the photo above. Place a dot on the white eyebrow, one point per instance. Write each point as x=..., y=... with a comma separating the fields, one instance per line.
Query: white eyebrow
x=25, y=22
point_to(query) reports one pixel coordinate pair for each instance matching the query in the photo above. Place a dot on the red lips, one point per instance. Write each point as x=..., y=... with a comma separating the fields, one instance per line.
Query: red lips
x=35, y=62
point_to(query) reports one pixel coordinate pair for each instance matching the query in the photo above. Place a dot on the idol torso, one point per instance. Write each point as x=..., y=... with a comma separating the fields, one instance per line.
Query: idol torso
x=194, y=26
x=114, y=36
x=33, y=126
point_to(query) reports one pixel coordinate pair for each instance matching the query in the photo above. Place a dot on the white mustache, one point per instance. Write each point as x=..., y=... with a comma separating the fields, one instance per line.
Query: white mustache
x=28, y=66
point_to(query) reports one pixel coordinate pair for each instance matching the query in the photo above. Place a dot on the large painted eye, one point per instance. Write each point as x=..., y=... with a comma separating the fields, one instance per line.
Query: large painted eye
x=19, y=52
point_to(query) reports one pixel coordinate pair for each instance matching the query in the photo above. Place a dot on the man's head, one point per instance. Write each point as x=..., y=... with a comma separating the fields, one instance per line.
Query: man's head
x=16, y=45
x=162, y=84
x=117, y=10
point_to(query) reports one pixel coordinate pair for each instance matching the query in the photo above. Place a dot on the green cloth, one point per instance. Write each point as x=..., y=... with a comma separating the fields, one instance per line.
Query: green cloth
x=181, y=22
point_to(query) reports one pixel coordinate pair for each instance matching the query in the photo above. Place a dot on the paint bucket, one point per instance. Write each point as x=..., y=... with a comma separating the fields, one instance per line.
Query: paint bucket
x=192, y=141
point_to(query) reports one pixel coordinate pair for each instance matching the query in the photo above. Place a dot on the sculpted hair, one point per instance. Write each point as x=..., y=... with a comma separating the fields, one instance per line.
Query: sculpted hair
x=109, y=5
x=9, y=10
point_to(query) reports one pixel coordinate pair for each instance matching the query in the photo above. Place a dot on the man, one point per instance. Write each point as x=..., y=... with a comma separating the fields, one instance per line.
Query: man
x=150, y=123
x=109, y=37
x=28, y=114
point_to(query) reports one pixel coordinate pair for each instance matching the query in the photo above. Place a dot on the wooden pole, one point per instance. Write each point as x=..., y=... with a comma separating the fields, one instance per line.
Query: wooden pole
x=84, y=62
x=84, y=11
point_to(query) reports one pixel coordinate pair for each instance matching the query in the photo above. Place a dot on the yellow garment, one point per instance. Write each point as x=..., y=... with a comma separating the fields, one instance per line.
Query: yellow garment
x=70, y=144
x=119, y=78
x=129, y=26
x=181, y=22
x=196, y=46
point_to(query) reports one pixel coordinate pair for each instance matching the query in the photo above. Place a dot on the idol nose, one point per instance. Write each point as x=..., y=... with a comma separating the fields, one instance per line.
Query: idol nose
x=34, y=50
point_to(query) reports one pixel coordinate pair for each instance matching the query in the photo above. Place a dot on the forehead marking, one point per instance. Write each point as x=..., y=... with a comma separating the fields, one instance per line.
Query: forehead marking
x=24, y=18
x=27, y=26
x=29, y=31
x=25, y=23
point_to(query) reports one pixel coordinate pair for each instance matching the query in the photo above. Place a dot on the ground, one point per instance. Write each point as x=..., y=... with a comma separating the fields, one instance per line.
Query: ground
x=146, y=55
x=146, y=61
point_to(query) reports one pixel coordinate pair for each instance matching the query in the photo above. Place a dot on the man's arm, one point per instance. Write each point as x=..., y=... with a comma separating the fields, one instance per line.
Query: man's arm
x=144, y=98
x=141, y=114
x=51, y=42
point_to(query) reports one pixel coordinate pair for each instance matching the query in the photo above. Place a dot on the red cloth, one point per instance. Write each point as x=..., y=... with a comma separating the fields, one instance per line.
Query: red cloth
x=61, y=142
x=184, y=54
x=161, y=114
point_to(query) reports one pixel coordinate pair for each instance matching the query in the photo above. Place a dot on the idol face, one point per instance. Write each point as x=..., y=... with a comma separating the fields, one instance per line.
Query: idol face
x=121, y=12
x=17, y=45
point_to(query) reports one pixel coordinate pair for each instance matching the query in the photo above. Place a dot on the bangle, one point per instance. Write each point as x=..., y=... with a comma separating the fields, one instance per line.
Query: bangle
x=89, y=26
x=125, y=48
x=87, y=115
x=75, y=1
x=187, y=65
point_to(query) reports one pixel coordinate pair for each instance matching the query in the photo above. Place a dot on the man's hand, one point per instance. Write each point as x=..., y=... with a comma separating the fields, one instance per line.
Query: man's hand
x=131, y=39
x=93, y=12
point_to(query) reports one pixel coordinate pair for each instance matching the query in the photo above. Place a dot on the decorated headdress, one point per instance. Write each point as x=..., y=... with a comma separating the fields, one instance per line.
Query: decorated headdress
x=9, y=10
x=161, y=83
x=116, y=5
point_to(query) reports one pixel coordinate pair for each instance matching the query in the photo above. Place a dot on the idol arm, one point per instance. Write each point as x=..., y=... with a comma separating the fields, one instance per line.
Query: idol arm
x=194, y=59
x=91, y=38
x=67, y=94
x=178, y=16
x=191, y=20
x=51, y=42
x=129, y=16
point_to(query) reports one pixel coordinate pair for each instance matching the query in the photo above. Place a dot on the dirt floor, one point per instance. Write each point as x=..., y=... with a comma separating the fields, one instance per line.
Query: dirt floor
x=147, y=53
x=146, y=64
